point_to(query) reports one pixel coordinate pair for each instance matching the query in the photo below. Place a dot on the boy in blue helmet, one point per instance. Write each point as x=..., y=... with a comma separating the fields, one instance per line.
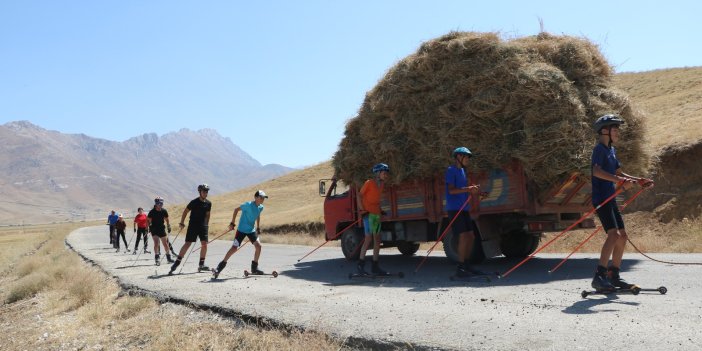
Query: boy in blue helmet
x=457, y=190
x=606, y=171
x=369, y=207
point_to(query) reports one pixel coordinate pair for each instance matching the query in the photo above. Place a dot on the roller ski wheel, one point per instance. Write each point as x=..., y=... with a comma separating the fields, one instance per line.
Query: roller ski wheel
x=374, y=276
x=274, y=274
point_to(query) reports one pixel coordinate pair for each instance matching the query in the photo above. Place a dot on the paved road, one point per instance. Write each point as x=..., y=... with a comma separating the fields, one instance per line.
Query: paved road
x=529, y=309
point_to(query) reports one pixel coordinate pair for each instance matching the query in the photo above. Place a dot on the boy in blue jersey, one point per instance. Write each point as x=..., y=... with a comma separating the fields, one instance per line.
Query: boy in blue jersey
x=249, y=227
x=606, y=171
x=457, y=190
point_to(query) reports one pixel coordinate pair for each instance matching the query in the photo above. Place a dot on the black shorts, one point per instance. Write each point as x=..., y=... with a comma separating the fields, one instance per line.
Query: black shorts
x=610, y=217
x=462, y=224
x=158, y=231
x=239, y=238
x=194, y=233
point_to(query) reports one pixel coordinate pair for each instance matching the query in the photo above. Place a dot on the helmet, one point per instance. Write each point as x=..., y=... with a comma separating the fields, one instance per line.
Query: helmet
x=202, y=187
x=261, y=193
x=606, y=121
x=381, y=167
x=461, y=151
x=158, y=200
x=120, y=215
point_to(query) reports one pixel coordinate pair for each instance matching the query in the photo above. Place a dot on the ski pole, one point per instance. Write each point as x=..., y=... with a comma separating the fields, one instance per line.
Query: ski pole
x=442, y=234
x=328, y=240
x=198, y=248
x=209, y=241
x=622, y=207
x=560, y=234
x=130, y=240
x=174, y=240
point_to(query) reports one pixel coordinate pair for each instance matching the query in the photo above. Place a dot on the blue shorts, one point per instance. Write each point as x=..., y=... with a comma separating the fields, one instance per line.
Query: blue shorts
x=462, y=224
x=610, y=217
x=371, y=224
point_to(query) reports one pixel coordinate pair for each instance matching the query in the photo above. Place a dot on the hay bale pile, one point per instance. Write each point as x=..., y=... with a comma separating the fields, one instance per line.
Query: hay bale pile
x=534, y=99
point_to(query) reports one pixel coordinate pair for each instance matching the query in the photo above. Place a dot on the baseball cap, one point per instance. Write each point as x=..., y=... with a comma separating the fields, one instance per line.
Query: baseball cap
x=261, y=193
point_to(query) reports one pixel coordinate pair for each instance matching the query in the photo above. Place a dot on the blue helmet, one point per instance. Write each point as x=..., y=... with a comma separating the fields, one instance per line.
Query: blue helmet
x=606, y=121
x=461, y=151
x=380, y=167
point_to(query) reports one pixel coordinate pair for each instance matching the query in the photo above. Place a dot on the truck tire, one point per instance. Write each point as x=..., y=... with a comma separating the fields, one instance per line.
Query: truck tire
x=407, y=248
x=350, y=243
x=518, y=243
x=450, y=242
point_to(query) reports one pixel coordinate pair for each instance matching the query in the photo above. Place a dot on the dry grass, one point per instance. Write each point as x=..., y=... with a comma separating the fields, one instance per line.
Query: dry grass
x=62, y=303
x=671, y=99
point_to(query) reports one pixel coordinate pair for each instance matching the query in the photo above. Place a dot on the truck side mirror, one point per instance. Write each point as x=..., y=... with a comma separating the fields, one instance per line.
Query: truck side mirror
x=322, y=188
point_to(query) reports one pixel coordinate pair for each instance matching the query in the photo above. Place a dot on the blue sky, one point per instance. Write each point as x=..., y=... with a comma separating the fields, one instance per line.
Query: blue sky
x=280, y=78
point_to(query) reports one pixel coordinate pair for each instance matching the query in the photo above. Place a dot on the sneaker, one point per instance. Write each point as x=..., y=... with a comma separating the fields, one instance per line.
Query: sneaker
x=203, y=268
x=616, y=280
x=600, y=281
x=361, y=267
x=376, y=270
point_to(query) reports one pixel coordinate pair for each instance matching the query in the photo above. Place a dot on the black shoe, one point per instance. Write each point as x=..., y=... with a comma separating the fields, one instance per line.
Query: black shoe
x=146, y=251
x=376, y=270
x=215, y=273
x=203, y=268
x=158, y=262
x=461, y=272
x=600, y=281
x=254, y=268
x=169, y=259
x=361, y=267
x=616, y=280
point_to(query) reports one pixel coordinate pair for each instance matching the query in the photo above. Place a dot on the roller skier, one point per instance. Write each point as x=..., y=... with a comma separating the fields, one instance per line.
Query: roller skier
x=158, y=224
x=249, y=227
x=198, y=227
x=606, y=172
x=368, y=201
x=140, y=227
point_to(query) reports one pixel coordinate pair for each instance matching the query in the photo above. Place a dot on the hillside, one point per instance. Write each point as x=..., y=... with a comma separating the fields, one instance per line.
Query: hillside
x=50, y=176
x=672, y=102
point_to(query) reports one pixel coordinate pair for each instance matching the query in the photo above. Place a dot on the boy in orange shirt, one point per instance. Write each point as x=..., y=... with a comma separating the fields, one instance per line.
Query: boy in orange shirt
x=369, y=207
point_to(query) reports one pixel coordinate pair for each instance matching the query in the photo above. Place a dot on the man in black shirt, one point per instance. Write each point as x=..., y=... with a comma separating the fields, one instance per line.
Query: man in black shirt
x=158, y=222
x=198, y=226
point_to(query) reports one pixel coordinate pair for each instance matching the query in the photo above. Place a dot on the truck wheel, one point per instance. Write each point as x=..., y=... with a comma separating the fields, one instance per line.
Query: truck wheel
x=350, y=243
x=518, y=243
x=407, y=248
x=450, y=242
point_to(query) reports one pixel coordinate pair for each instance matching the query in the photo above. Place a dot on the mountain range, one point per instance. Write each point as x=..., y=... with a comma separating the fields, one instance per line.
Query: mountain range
x=48, y=176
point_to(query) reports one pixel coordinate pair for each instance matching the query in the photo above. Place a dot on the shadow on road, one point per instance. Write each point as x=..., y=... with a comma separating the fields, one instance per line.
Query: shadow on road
x=436, y=271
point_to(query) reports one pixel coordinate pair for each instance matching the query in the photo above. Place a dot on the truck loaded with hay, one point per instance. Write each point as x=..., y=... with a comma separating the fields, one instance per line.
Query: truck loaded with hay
x=525, y=107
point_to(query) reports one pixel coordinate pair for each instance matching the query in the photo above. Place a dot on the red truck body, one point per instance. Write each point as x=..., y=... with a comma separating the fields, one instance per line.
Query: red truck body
x=510, y=219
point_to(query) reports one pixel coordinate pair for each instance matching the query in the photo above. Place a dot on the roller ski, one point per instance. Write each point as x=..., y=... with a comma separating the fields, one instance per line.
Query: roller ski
x=376, y=272
x=256, y=271
x=635, y=290
x=609, y=282
x=467, y=274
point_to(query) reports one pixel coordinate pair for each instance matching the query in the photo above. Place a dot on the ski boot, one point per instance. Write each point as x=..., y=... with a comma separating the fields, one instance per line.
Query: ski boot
x=600, y=282
x=202, y=267
x=255, y=270
x=361, y=267
x=158, y=259
x=146, y=251
x=463, y=272
x=376, y=270
x=216, y=271
x=617, y=281
x=134, y=252
x=169, y=259
x=175, y=265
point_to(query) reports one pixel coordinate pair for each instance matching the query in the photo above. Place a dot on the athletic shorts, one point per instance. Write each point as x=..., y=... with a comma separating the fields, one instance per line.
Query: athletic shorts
x=196, y=232
x=158, y=231
x=371, y=224
x=462, y=224
x=610, y=217
x=239, y=238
